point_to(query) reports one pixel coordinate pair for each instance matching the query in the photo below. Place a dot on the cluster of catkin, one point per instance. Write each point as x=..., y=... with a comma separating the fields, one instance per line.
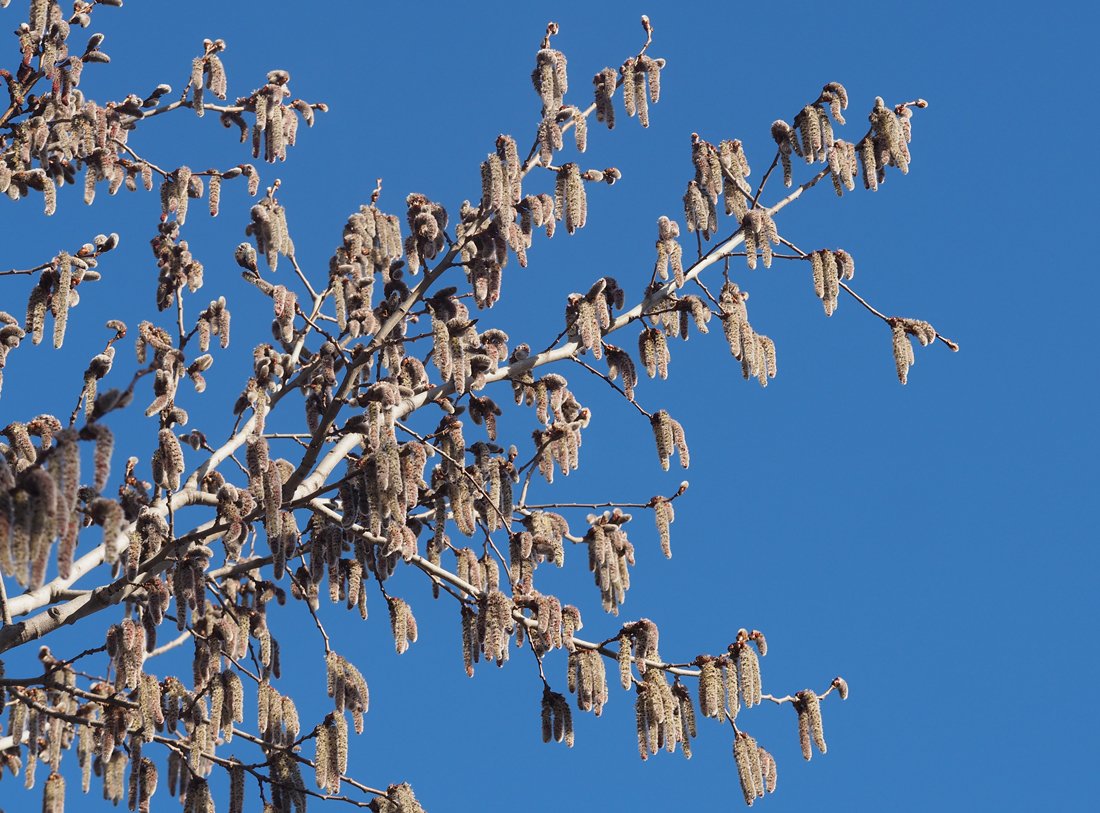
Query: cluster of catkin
x=42, y=498
x=669, y=252
x=586, y=677
x=347, y=688
x=621, y=365
x=270, y=231
x=331, y=759
x=327, y=545
x=557, y=718
x=829, y=269
x=641, y=78
x=551, y=83
x=541, y=540
x=207, y=73
x=663, y=714
x=638, y=643
x=811, y=136
x=462, y=356
x=808, y=706
x=276, y=124
x=756, y=768
x=901, y=329
x=677, y=311
x=718, y=171
x=380, y=488
x=755, y=351
x=55, y=293
x=669, y=435
x=588, y=315
x=547, y=613
x=43, y=150
x=169, y=367
x=887, y=143
x=402, y=624
x=727, y=681
x=610, y=555
x=398, y=799
x=59, y=131
x=559, y=442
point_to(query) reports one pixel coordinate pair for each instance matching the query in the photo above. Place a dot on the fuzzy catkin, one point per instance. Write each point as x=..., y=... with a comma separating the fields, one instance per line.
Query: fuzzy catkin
x=569, y=198
x=903, y=352
x=749, y=771
x=605, y=82
x=625, y=674
x=665, y=515
x=810, y=728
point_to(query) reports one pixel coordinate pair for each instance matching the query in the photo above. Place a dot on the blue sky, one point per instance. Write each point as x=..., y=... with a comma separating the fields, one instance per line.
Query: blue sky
x=930, y=543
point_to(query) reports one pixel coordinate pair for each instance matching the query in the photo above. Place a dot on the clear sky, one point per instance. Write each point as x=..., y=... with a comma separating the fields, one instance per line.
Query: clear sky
x=931, y=543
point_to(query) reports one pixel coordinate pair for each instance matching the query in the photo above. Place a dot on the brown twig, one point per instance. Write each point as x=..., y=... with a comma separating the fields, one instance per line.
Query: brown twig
x=611, y=384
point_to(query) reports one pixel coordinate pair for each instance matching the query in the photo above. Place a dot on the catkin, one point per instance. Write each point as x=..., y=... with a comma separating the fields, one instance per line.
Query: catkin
x=747, y=756
x=669, y=435
x=903, y=351
x=549, y=77
x=748, y=673
x=171, y=459
x=556, y=717
x=61, y=297
x=841, y=685
x=605, y=82
x=889, y=135
x=760, y=232
x=625, y=674
x=236, y=788
x=53, y=795
x=711, y=697
x=697, y=210
x=569, y=198
x=403, y=625
x=665, y=516
x=809, y=722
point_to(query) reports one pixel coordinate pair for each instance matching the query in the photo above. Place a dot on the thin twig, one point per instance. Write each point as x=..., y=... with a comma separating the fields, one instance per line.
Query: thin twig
x=764, y=180
x=611, y=384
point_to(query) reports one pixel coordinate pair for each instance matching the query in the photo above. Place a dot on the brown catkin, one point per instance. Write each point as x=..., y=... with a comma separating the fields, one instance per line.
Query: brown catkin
x=748, y=672
x=768, y=766
x=642, y=722
x=61, y=297
x=903, y=351
x=322, y=756
x=809, y=722
x=580, y=130
x=841, y=685
x=403, y=625
x=236, y=788
x=172, y=458
x=869, y=167
x=661, y=423
x=53, y=795
x=605, y=82
x=625, y=674
x=570, y=199
x=744, y=751
x=629, y=80
x=547, y=715
x=711, y=701
x=665, y=516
